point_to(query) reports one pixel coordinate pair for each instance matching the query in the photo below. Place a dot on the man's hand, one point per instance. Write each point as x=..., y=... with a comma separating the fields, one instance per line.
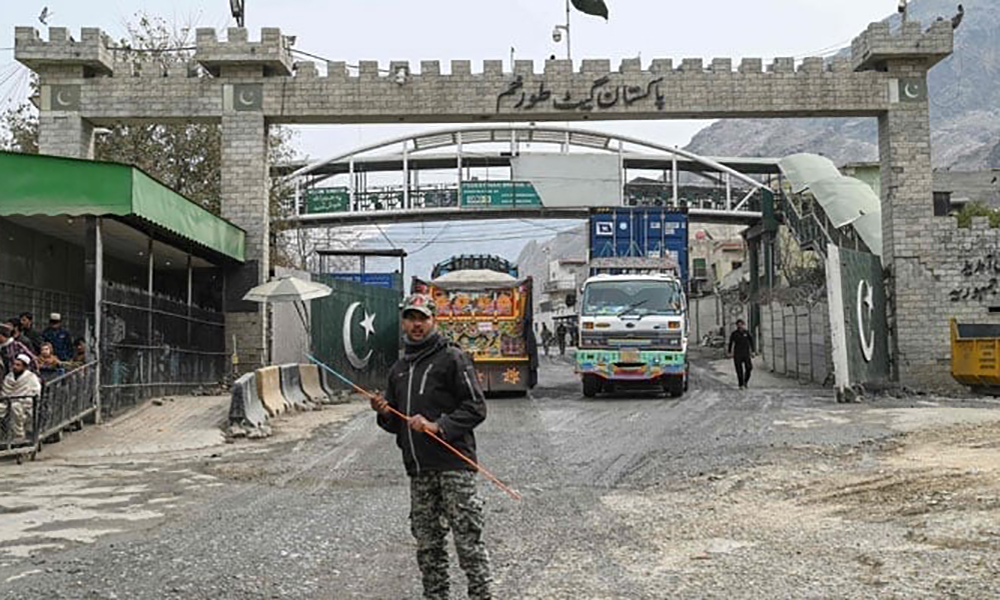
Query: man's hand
x=379, y=404
x=419, y=423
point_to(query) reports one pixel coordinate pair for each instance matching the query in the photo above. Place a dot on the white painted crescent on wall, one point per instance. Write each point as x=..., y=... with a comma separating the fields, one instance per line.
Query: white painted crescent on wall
x=61, y=101
x=247, y=98
x=356, y=361
x=865, y=299
x=912, y=90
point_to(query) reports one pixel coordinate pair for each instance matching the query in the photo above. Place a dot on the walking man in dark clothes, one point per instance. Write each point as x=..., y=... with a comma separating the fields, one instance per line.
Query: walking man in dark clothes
x=435, y=385
x=561, y=332
x=741, y=348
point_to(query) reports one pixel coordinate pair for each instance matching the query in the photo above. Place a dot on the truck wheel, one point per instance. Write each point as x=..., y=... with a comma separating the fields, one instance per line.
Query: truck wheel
x=675, y=386
x=591, y=385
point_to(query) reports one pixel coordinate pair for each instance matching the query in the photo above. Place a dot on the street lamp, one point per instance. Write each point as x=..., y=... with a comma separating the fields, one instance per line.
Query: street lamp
x=557, y=33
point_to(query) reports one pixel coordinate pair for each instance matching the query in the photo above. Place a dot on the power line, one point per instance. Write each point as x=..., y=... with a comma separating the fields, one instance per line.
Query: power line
x=150, y=50
x=327, y=60
x=380, y=230
x=425, y=246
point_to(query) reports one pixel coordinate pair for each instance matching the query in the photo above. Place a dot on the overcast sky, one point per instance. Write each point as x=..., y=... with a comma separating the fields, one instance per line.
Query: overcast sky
x=417, y=30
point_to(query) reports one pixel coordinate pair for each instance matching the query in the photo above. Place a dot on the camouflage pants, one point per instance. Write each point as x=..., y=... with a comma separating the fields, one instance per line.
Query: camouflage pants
x=443, y=500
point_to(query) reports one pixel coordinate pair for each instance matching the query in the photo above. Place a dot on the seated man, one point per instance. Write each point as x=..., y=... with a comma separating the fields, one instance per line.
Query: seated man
x=20, y=388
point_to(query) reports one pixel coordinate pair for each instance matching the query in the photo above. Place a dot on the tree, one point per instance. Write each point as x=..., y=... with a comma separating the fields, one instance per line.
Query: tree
x=19, y=129
x=186, y=157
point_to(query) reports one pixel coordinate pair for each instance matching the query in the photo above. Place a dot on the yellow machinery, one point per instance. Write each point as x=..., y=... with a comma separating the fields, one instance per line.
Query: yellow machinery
x=975, y=356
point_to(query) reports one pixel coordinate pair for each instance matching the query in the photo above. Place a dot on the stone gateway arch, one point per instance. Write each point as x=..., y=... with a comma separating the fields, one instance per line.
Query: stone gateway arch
x=248, y=85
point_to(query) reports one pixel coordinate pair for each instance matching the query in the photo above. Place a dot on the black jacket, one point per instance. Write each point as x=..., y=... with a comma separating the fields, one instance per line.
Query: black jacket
x=742, y=342
x=439, y=383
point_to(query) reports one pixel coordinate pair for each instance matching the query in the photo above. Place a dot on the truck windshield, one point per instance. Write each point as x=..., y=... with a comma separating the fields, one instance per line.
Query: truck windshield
x=610, y=298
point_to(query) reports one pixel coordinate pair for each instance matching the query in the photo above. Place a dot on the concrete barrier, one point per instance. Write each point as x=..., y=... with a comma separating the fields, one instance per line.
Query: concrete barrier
x=269, y=391
x=291, y=388
x=311, y=384
x=331, y=385
x=245, y=407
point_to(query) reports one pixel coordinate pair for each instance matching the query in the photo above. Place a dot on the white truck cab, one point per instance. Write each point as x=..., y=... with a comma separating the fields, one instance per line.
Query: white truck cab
x=633, y=333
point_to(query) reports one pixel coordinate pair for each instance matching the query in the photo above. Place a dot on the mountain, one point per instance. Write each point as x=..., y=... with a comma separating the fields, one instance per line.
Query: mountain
x=964, y=107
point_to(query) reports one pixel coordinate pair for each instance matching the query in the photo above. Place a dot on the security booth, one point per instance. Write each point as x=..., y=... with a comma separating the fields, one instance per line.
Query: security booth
x=135, y=270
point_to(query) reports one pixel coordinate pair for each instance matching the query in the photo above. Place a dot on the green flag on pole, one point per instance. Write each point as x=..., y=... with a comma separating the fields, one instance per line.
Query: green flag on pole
x=592, y=7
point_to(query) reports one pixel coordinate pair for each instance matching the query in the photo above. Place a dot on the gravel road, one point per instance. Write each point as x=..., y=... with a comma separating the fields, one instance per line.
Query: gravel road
x=776, y=492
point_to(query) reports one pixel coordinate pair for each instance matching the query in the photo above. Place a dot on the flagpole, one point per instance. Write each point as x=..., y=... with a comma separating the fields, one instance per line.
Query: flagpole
x=569, y=52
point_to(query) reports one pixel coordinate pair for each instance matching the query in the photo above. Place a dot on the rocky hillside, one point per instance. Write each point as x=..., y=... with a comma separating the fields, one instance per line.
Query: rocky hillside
x=965, y=106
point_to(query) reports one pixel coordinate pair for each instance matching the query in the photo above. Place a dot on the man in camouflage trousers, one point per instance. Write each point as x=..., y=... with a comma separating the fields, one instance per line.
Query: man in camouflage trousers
x=436, y=387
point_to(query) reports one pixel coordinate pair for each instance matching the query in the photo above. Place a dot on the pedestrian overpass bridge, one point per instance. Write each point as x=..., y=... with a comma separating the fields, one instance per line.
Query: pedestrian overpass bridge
x=459, y=169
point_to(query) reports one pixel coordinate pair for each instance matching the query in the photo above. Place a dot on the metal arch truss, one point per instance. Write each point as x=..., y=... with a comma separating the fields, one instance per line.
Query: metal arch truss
x=414, y=147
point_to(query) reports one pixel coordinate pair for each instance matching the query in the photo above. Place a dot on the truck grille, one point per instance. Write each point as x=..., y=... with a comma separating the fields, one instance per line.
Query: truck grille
x=626, y=340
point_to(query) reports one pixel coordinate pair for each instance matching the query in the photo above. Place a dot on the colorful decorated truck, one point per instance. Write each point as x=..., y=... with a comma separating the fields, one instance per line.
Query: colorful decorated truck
x=488, y=314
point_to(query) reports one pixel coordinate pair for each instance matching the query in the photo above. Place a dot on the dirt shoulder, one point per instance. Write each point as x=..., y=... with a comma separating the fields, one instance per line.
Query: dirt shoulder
x=910, y=517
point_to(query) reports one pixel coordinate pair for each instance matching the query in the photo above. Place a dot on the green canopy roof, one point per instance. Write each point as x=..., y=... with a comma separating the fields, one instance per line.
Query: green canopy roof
x=51, y=186
x=845, y=200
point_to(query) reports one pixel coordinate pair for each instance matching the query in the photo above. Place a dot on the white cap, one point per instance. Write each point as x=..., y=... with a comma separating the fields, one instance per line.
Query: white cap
x=55, y=317
x=23, y=358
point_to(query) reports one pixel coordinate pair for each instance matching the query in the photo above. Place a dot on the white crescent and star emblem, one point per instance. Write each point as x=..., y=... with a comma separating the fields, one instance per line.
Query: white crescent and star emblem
x=912, y=89
x=368, y=325
x=865, y=299
x=64, y=97
x=247, y=98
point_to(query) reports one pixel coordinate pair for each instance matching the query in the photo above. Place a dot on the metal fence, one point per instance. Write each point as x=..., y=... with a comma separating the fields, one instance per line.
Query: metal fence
x=16, y=299
x=67, y=399
x=795, y=341
x=155, y=346
x=25, y=421
x=18, y=432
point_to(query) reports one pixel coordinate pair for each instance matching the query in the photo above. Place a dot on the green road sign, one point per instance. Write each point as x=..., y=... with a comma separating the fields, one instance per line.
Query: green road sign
x=325, y=200
x=499, y=193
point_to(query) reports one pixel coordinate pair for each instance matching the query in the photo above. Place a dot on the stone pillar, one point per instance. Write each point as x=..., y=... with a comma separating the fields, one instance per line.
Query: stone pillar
x=242, y=66
x=904, y=57
x=64, y=66
x=93, y=267
x=907, y=215
x=65, y=134
x=245, y=189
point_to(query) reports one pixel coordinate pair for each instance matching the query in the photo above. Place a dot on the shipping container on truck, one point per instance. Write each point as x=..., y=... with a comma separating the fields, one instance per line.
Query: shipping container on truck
x=626, y=240
x=489, y=315
x=633, y=311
